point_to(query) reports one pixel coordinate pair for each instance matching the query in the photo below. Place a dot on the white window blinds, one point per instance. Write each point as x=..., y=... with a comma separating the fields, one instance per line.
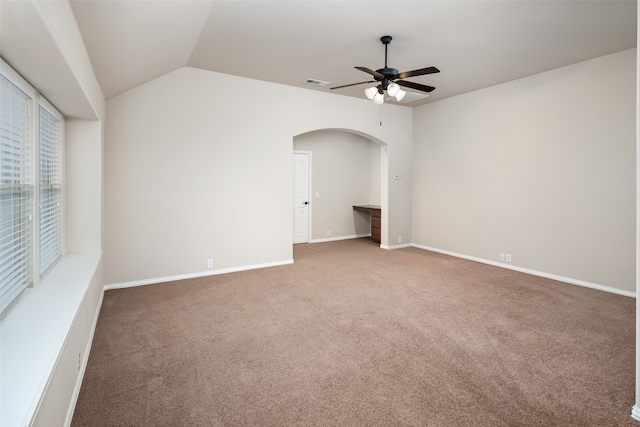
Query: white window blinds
x=50, y=142
x=16, y=192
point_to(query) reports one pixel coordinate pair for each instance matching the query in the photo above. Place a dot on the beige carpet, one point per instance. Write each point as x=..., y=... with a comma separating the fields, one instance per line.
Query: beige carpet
x=353, y=335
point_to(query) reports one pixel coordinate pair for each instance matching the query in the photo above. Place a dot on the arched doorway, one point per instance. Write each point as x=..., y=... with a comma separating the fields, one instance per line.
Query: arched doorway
x=347, y=169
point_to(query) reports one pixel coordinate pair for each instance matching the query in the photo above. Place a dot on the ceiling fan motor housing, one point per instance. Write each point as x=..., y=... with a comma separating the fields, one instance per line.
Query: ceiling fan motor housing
x=388, y=76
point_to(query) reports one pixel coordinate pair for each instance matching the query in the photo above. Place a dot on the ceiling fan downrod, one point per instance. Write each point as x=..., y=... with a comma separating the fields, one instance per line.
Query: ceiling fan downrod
x=385, y=41
x=390, y=74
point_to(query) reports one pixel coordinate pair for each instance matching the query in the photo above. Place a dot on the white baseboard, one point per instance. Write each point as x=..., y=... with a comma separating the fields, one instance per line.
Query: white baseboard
x=391, y=247
x=533, y=272
x=334, y=239
x=194, y=275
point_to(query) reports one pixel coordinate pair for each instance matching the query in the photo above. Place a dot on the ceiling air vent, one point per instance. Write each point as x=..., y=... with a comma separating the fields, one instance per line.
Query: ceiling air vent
x=412, y=96
x=316, y=82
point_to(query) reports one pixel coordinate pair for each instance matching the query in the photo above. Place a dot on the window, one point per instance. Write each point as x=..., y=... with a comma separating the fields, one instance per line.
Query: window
x=50, y=188
x=28, y=238
x=16, y=192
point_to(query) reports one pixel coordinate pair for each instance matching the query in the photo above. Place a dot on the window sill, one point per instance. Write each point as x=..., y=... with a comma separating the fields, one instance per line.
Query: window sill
x=34, y=332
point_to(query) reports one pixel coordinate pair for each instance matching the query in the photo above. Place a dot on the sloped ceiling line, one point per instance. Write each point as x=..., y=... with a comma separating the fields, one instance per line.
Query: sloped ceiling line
x=475, y=44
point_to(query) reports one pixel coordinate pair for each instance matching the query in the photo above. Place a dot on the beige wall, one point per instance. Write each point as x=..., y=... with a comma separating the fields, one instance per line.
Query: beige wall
x=542, y=168
x=375, y=180
x=346, y=172
x=83, y=189
x=198, y=166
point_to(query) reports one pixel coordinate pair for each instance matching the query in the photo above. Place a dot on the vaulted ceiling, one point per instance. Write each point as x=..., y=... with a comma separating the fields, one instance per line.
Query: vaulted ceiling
x=475, y=44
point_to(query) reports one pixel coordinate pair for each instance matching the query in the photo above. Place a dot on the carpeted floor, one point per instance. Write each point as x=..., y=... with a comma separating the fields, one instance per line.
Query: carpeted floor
x=354, y=335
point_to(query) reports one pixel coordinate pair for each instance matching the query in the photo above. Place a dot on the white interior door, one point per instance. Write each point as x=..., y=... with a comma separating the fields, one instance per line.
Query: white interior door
x=301, y=199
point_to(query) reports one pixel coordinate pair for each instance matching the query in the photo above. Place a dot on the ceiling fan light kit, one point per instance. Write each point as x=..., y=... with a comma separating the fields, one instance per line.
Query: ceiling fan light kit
x=388, y=79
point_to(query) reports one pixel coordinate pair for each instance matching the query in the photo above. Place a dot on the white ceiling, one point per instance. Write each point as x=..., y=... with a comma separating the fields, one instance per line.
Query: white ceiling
x=475, y=44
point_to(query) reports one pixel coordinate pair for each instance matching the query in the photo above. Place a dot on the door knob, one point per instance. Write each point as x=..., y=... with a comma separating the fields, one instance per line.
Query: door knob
x=306, y=203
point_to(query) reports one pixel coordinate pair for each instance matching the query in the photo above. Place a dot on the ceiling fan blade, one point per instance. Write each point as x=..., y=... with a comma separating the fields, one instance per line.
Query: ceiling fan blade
x=420, y=72
x=416, y=86
x=352, y=84
x=375, y=74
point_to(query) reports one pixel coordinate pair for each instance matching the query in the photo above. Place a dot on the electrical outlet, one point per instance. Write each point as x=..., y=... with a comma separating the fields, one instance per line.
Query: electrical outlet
x=399, y=239
x=209, y=263
x=508, y=257
x=328, y=233
x=79, y=361
x=501, y=257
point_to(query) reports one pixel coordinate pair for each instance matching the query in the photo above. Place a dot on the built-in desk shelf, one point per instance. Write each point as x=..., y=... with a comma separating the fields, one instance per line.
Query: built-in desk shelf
x=375, y=217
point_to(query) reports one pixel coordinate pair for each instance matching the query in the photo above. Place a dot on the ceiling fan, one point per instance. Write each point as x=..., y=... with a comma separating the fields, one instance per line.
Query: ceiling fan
x=388, y=78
